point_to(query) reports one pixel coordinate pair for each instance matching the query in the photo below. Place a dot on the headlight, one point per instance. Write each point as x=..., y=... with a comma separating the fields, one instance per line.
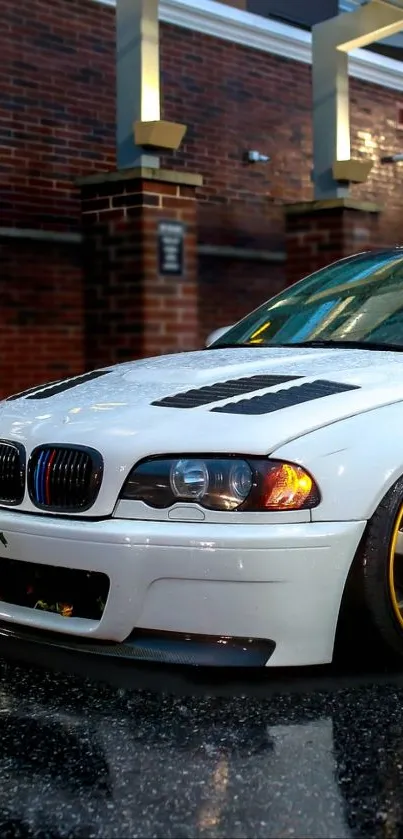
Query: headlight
x=222, y=483
x=189, y=479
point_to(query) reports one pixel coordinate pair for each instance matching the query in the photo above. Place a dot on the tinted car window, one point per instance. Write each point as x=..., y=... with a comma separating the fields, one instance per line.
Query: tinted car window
x=359, y=299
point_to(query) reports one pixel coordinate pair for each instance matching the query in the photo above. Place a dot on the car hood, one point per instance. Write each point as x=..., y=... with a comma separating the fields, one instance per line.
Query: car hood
x=121, y=402
x=116, y=412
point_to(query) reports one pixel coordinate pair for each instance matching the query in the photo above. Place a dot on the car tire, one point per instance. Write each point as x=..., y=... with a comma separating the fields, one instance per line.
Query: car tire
x=379, y=570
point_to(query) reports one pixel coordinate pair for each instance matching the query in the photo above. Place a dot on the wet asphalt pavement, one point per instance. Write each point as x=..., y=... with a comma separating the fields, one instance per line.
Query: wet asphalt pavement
x=79, y=760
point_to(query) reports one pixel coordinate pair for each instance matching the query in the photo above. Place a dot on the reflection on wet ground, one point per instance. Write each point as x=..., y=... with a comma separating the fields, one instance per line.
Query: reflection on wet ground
x=82, y=760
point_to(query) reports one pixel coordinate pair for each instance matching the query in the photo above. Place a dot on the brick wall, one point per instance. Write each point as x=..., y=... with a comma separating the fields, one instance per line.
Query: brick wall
x=56, y=106
x=57, y=122
x=41, y=336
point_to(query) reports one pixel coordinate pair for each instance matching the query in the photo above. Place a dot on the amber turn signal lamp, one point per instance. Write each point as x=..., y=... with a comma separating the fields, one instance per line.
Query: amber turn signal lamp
x=288, y=487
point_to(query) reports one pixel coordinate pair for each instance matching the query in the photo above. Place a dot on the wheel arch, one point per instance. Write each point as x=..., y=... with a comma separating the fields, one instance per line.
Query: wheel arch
x=355, y=462
x=367, y=622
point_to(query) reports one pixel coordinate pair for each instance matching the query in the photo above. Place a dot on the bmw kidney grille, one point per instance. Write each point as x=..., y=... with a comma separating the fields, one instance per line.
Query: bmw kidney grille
x=64, y=478
x=12, y=473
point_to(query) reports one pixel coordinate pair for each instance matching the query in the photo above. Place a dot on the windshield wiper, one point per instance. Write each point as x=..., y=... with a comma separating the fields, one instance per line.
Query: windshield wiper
x=227, y=346
x=349, y=345
x=243, y=346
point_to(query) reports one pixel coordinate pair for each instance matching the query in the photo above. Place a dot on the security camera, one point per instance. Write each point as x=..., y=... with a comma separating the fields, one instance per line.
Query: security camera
x=257, y=157
x=392, y=158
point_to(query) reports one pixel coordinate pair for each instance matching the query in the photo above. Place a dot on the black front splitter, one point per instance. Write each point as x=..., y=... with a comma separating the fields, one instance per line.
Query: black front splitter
x=38, y=649
x=163, y=663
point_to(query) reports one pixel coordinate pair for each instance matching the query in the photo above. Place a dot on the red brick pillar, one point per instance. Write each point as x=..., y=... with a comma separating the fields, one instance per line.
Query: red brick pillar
x=135, y=305
x=320, y=232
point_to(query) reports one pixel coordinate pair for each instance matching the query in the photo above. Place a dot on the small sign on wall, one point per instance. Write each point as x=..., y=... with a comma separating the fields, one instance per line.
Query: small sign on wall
x=171, y=235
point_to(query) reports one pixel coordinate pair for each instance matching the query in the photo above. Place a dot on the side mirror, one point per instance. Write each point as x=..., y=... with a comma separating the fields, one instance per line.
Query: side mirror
x=214, y=336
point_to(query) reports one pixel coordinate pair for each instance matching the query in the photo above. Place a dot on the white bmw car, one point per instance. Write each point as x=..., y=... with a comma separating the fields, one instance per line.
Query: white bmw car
x=212, y=507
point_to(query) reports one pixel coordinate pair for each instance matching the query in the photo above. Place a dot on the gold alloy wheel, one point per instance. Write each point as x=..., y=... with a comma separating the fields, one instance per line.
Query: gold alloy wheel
x=395, y=571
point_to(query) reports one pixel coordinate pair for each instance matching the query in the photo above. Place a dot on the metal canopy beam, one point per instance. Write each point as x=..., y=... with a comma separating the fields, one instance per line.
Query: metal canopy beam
x=141, y=133
x=332, y=40
x=137, y=77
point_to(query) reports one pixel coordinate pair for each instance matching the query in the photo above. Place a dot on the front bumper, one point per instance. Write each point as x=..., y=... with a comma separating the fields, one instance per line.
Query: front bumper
x=277, y=584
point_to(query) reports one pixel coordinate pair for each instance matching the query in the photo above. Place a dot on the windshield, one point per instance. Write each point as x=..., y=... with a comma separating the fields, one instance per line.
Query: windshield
x=358, y=301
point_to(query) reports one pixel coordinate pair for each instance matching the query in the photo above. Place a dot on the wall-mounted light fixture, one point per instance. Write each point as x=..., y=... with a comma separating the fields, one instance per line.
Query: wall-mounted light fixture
x=351, y=171
x=159, y=135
